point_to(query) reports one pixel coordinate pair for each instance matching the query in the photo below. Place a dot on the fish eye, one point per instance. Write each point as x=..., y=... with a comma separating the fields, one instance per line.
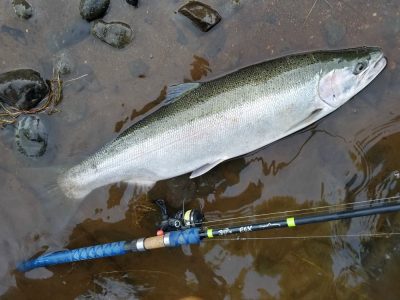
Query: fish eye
x=360, y=67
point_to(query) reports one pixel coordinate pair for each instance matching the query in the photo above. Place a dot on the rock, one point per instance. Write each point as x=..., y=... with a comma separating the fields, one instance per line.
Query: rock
x=22, y=9
x=134, y=3
x=93, y=9
x=22, y=89
x=201, y=14
x=138, y=68
x=31, y=136
x=116, y=34
x=63, y=63
x=334, y=32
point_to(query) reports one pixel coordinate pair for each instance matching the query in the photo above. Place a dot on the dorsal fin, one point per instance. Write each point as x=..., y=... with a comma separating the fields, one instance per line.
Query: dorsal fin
x=178, y=90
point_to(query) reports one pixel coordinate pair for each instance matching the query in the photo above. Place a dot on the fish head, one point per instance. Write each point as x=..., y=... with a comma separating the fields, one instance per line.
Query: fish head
x=344, y=73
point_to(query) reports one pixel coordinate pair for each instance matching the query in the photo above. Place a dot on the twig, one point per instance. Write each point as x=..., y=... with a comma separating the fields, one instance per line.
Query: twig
x=53, y=99
x=309, y=13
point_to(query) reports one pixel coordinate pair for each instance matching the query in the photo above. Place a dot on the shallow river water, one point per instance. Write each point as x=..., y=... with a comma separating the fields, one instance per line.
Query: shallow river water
x=349, y=156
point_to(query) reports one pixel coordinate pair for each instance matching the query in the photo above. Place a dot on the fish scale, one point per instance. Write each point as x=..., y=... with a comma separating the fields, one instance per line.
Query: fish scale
x=203, y=124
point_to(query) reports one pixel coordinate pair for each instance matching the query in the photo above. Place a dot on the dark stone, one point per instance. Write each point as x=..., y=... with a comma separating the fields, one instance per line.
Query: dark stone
x=31, y=136
x=334, y=32
x=93, y=9
x=22, y=9
x=15, y=33
x=116, y=34
x=138, y=68
x=22, y=89
x=134, y=3
x=201, y=14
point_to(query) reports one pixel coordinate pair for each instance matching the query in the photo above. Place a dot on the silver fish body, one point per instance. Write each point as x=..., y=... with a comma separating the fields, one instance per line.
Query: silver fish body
x=204, y=124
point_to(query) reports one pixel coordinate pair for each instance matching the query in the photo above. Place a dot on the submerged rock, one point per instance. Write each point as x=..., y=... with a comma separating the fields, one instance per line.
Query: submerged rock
x=134, y=3
x=201, y=14
x=16, y=34
x=116, y=34
x=334, y=32
x=69, y=36
x=63, y=63
x=22, y=9
x=31, y=136
x=22, y=89
x=93, y=9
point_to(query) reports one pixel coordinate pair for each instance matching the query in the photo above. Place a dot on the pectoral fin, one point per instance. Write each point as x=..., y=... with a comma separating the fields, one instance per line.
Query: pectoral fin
x=204, y=169
x=176, y=91
x=311, y=118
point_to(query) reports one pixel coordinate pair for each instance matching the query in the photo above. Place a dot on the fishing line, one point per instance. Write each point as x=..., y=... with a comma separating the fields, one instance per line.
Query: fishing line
x=377, y=235
x=299, y=212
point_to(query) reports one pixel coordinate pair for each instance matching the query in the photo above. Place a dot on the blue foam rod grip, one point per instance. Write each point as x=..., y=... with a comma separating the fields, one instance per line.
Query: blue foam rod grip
x=185, y=237
x=68, y=256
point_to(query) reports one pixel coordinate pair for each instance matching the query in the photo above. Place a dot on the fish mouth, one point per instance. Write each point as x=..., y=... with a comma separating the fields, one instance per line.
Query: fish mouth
x=378, y=66
x=381, y=63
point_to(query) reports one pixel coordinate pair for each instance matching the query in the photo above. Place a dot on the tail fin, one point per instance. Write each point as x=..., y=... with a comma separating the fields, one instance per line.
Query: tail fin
x=57, y=208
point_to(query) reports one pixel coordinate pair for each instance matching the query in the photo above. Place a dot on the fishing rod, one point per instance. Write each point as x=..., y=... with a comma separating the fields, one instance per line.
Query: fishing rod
x=186, y=228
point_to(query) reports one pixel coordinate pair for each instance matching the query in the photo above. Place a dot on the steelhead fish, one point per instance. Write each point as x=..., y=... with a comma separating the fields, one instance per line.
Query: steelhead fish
x=202, y=124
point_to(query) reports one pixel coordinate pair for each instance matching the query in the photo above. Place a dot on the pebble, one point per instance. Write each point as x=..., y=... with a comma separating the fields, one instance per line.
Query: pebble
x=201, y=14
x=134, y=3
x=93, y=9
x=22, y=89
x=334, y=32
x=22, y=9
x=138, y=68
x=31, y=136
x=116, y=34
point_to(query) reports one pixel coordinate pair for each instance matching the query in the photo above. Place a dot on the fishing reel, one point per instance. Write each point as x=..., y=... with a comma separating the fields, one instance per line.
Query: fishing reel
x=180, y=221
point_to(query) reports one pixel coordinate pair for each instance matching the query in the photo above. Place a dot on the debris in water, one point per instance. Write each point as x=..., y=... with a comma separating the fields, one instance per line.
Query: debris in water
x=22, y=90
x=31, y=136
x=116, y=34
x=201, y=14
x=22, y=9
x=93, y=9
x=63, y=63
